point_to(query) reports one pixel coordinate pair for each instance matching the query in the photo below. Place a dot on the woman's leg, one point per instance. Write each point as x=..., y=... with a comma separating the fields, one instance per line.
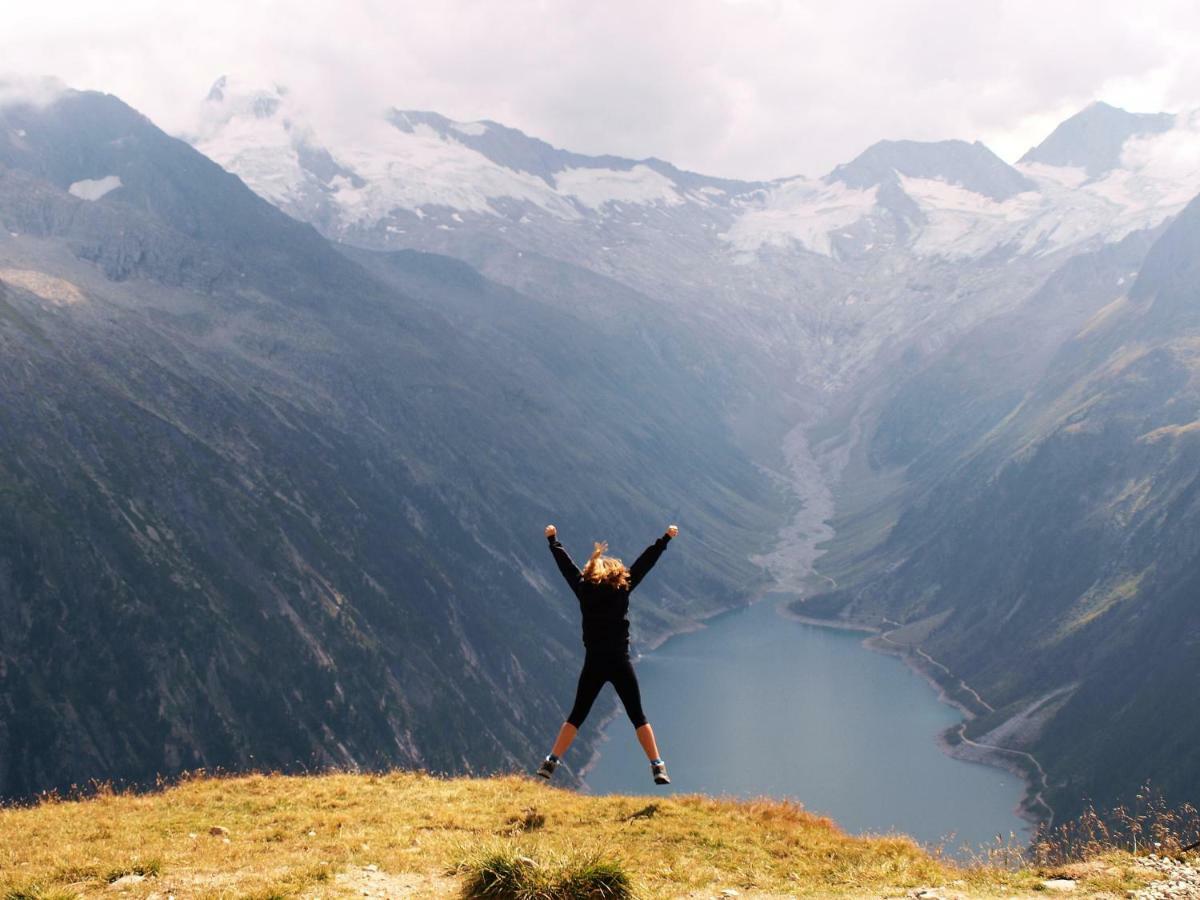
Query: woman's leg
x=624, y=679
x=566, y=734
x=645, y=736
x=591, y=679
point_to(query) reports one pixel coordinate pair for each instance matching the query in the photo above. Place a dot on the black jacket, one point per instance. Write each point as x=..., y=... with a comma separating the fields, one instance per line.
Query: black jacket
x=606, y=609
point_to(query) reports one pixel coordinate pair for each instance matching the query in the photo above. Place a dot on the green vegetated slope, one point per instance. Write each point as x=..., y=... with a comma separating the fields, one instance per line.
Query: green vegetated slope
x=264, y=506
x=1036, y=512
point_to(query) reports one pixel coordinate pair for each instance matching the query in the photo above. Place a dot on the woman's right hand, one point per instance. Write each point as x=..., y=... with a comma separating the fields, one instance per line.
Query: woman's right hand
x=672, y=530
x=551, y=531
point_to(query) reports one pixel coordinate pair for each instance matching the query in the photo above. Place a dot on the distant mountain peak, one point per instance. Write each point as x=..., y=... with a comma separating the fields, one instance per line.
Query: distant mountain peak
x=970, y=165
x=217, y=92
x=1092, y=139
x=229, y=99
x=508, y=147
x=407, y=120
x=514, y=149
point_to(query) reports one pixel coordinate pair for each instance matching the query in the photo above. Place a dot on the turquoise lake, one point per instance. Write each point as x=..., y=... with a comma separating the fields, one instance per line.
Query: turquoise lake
x=758, y=704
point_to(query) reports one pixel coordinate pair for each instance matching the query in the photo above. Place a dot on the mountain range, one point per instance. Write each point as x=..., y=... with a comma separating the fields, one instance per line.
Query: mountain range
x=958, y=388
x=269, y=505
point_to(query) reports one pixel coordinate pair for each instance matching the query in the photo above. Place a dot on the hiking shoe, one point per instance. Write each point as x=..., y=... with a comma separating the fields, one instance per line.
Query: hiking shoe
x=659, y=771
x=546, y=769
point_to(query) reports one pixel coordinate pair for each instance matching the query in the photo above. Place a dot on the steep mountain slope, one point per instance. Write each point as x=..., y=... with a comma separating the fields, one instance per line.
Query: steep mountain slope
x=264, y=507
x=1046, y=551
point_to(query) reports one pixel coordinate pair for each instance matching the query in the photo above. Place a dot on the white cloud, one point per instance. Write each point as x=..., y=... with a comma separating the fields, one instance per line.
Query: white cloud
x=19, y=88
x=1173, y=155
x=752, y=88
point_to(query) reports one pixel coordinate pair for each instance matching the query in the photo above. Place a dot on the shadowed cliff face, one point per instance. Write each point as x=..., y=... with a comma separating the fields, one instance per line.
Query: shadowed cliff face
x=1050, y=524
x=268, y=505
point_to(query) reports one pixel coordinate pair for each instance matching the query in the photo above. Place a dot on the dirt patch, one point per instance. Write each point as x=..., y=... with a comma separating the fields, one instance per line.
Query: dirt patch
x=57, y=291
x=369, y=881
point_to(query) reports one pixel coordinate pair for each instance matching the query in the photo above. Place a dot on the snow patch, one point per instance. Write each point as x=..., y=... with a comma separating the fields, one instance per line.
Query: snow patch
x=471, y=129
x=94, y=189
x=1066, y=176
x=961, y=223
x=408, y=170
x=801, y=212
x=594, y=188
x=1064, y=212
x=39, y=92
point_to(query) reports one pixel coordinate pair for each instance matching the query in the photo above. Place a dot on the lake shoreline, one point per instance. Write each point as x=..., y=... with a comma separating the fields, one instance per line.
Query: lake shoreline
x=952, y=741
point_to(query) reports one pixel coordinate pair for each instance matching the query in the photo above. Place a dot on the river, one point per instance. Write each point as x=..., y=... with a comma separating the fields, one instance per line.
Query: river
x=760, y=704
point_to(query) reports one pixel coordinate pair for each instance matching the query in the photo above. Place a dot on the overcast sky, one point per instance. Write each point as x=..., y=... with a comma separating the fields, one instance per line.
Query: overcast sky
x=741, y=88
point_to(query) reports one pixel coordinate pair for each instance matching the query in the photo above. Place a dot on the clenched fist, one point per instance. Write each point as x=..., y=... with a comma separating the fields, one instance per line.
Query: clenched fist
x=551, y=531
x=672, y=530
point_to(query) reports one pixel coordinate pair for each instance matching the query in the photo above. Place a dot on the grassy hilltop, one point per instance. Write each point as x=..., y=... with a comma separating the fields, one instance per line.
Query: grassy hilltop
x=411, y=834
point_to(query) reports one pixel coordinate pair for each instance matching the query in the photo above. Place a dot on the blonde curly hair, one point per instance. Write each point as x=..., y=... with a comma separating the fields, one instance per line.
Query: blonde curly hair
x=602, y=569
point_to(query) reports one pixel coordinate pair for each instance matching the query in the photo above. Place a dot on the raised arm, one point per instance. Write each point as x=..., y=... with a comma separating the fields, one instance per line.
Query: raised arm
x=649, y=557
x=566, y=565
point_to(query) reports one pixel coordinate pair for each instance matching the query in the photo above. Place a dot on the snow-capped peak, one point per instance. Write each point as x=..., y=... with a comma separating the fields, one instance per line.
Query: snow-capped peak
x=404, y=172
x=971, y=166
x=953, y=199
x=407, y=163
x=229, y=99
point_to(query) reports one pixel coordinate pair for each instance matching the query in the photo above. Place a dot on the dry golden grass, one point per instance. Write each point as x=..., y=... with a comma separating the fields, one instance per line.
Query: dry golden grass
x=316, y=836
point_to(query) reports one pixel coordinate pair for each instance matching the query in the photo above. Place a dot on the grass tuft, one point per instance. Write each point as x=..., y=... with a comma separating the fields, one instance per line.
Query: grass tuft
x=508, y=874
x=35, y=891
x=595, y=878
x=149, y=869
x=528, y=820
x=1149, y=825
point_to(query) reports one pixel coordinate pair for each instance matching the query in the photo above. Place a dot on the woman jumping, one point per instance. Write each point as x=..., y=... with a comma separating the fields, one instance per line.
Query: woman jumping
x=603, y=589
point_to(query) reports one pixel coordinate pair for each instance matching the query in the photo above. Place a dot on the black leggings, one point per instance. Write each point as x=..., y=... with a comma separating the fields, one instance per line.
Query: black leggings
x=599, y=668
